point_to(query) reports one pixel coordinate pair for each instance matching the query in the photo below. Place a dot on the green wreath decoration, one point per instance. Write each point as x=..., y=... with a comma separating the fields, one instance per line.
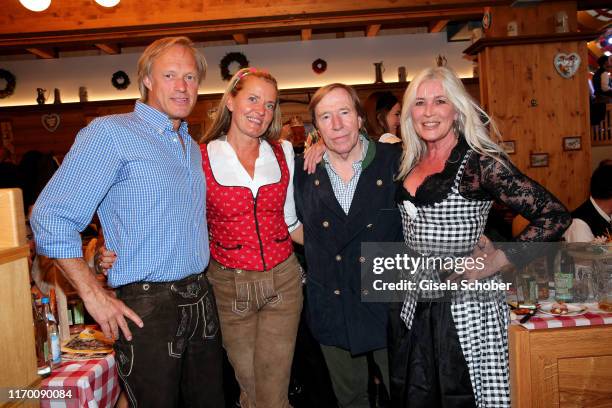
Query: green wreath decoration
x=9, y=89
x=228, y=59
x=120, y=80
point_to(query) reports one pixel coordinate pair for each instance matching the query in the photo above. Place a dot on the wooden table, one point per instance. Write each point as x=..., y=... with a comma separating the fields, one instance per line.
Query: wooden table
x=565, y=367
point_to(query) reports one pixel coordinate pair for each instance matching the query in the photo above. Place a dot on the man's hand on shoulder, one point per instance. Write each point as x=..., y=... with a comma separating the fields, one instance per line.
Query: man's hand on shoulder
x=313, y=156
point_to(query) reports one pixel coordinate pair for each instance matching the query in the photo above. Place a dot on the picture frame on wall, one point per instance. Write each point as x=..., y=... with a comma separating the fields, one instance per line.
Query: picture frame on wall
x=509, y=146
x=538, y=160
x=572, y=143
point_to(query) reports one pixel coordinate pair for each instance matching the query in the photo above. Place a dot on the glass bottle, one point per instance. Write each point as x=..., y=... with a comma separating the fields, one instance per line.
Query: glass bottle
x=40, y=339
x=53, y=339
x=564, y=278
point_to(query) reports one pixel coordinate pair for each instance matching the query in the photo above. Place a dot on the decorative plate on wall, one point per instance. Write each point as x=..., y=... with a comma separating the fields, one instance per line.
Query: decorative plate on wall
x=50, y=121
x=567, y=64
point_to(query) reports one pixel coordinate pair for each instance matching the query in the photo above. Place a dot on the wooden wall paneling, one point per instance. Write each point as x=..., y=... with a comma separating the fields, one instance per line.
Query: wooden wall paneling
x=562, y=111
x=483, y=79
x=513, y=75
x=538, y=19
x=541, y=121
x=472, y=87
x=200, y=120
x=507, y=101
x=29, y=133
x=127, y=107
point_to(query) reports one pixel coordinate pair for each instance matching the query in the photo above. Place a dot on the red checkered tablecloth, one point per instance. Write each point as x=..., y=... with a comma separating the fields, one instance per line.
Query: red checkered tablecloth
x=95, y=381
x=544, y=321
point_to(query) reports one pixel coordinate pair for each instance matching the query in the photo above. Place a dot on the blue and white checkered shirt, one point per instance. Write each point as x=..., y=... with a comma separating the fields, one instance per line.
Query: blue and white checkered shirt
x=344, y=192
x=149, y=193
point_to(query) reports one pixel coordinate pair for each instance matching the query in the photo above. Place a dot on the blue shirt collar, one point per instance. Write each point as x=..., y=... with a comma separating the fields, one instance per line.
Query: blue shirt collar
x=159, y=120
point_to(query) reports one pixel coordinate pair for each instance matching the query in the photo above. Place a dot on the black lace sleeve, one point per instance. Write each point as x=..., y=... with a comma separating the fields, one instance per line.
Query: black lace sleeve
x=487, y=178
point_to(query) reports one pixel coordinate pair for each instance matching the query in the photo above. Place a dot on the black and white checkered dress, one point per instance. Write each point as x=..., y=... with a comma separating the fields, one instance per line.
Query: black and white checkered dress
x=452, y=227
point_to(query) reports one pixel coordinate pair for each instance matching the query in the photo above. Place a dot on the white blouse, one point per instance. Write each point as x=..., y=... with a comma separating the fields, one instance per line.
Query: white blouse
x=228, y=171
x=389, y=138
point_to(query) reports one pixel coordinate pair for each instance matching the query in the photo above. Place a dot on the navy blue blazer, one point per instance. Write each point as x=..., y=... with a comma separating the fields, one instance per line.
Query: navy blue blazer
x=332, y=243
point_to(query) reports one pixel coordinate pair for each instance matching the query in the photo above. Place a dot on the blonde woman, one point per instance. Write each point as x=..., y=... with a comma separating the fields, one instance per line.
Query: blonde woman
x=251, y=214
x=455, y=350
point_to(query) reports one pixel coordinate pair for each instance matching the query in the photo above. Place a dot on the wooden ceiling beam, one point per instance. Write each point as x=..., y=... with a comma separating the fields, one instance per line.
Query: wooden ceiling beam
x=86, y=15
x=437, y=26
x=45, y=53
x=240, y=38
x=108, y=48
x=372, y=30
x=199, y=31
x=306, y=34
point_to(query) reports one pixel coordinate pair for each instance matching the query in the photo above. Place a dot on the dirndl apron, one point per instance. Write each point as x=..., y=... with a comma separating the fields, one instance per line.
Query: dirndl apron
x=452, y=228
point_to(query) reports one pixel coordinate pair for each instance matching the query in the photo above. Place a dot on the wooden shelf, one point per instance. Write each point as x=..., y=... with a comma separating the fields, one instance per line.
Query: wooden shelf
x=11, y=254
x=485, y=42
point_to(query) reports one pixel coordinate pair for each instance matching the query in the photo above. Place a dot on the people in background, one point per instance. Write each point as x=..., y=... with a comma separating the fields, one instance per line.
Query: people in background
x=9, y=172
x=455, y=347
x=294, y=131
x=602, y=89
x=382, y=111
x=602, y=82
x=593, y=218
x=142, y=173
x=35, y=171
x=252, y=221
x=348, y=200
